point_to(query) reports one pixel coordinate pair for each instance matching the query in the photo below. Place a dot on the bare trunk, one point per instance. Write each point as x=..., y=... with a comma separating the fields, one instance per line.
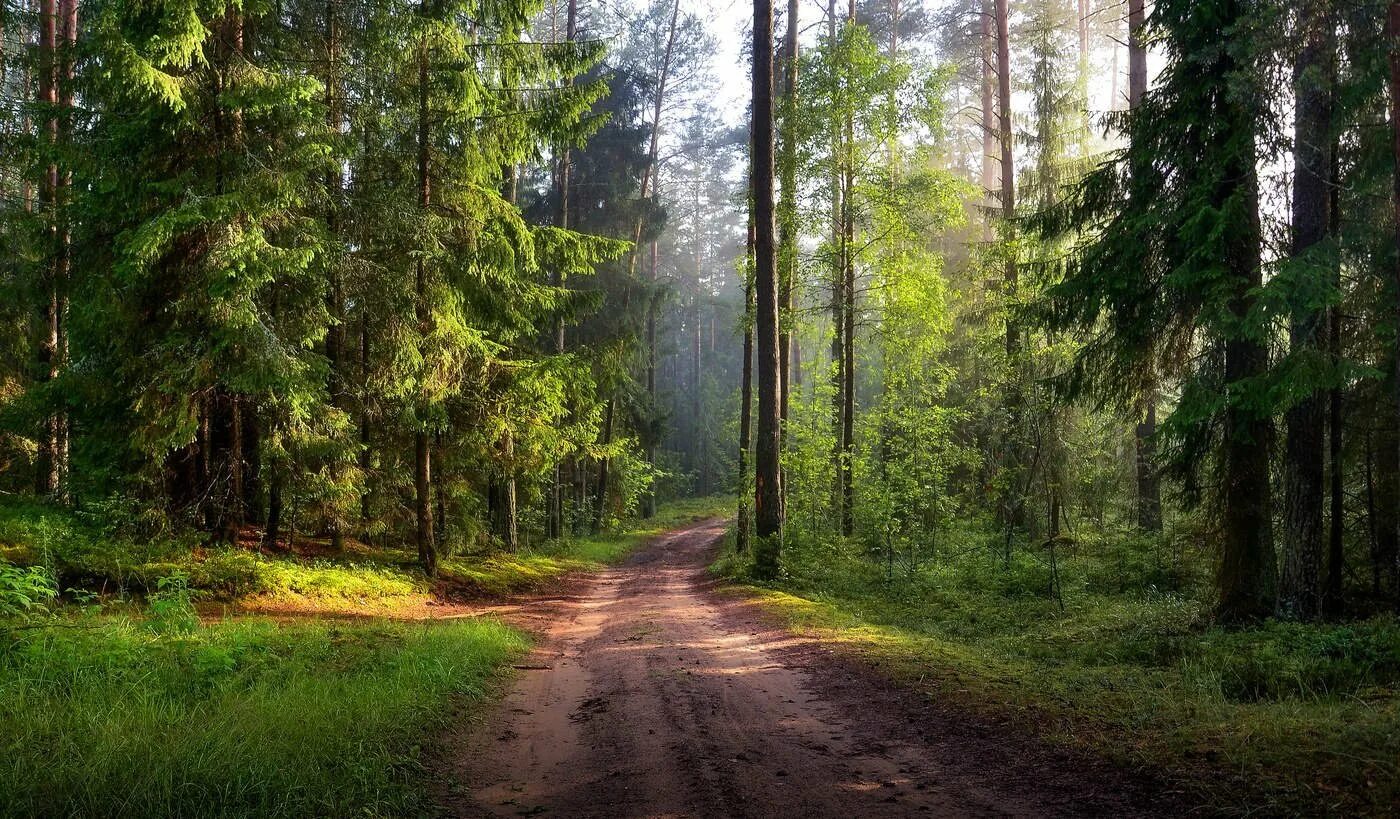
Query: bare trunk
x=1149, y=511
x=1393, y=30
x=1013, y=458
x=47, y=458
x=335, y=333
x=600, y=502
x=768, y=501
x=422, y=453
x=1247, y=570
x=746, y=394
x=787, y=215
x=990, y=142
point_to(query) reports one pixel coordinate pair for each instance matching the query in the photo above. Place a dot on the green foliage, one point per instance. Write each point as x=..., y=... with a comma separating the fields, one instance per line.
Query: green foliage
x=25, y=591
x=248, y=719
x=171, y=608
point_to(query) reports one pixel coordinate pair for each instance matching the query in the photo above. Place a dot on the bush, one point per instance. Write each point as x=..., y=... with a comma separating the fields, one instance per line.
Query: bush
x=25, y=591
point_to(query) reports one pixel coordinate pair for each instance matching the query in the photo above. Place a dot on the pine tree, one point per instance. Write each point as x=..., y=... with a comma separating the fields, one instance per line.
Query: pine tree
x=1175, y=260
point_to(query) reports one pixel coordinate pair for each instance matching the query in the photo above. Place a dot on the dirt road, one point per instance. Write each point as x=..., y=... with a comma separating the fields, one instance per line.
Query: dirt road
x=650, y=695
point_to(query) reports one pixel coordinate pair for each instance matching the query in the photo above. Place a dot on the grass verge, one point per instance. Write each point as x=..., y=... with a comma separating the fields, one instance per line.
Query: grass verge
x=246, y=718
x=1278, y=718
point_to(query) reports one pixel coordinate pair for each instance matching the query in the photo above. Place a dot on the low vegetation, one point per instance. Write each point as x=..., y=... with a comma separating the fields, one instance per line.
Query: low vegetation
x=166, y=717
x=85, y=553
x=1121, y=656
x=118, y=699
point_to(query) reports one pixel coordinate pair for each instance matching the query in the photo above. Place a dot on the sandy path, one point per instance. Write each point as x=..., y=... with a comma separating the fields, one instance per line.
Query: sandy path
x=651, y=696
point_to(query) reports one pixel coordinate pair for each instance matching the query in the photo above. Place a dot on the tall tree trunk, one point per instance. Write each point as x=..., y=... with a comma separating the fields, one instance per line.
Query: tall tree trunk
x=649, y=174
x=990, y=141
x=838, y=301
x=1332, y=591
x=1014, y=502
x=335, y=333
x=600, y=502
x=365, y=454
x=787, y=213
x=47, y=458
x=1393, y=30
x=768, y=500
x=746, y=388
x=422, y=451
x=556, y=486
x=1300, y=592
x=649, y=497
x=848, y=313
x=1149, y=484
x=1246, y=578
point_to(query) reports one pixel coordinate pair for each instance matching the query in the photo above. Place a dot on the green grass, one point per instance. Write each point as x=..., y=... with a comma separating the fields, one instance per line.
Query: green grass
x=247, y=718
x=85, y=550
x=1277, y=717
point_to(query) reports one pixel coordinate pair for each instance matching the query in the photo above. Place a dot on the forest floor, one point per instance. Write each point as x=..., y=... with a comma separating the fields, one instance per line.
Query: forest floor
x=652, y=692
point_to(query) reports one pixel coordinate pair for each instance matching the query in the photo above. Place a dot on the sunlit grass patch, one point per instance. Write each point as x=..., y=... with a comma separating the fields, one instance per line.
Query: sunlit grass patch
x=247, y=718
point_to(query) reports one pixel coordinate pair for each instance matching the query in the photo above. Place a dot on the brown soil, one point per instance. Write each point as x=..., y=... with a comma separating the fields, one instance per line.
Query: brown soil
x=650, y=695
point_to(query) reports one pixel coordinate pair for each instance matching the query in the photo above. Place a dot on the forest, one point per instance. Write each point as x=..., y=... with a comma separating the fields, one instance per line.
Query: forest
x=691, y=408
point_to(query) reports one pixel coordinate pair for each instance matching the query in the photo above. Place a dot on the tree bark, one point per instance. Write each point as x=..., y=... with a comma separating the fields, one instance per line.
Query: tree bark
x=335, y=295
x=649, y=173
x=422, y=452
x=1014, y=502
x=1149, y=483
x=1300, y=592
x=47, y=479
x=768, y=501
x=600, y=502
x=848, y=315
x=990, y=140
x=1393, y=30
x=1246, y=578
x=787, y=216
x=1332, y=592
x=746, y=391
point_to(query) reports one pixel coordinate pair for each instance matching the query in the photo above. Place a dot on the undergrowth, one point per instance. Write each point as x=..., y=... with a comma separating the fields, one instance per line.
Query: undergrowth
x=89, y=552
x=1119, y=655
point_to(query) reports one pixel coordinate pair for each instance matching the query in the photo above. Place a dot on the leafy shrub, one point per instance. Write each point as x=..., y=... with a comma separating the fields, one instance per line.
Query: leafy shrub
x=171, y=608
x=25, y=591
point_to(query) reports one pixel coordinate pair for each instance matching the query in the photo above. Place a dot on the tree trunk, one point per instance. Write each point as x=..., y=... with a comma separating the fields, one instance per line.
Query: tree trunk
x=848, y=316
x=1014, y=457
x=600, y=503
x=746, y=392
x=47, y=457
x=787, y=216
x=838, y=284
x=1247, y=569
x=364, y=418
x=1332, y=592
x=990, y=140
x=273, y=531
x=335, y=333
x=1393, y=30
x=1149, y=510
x=1300, y=592
x=649, y=497
x=768, y=501
x=422, y=457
